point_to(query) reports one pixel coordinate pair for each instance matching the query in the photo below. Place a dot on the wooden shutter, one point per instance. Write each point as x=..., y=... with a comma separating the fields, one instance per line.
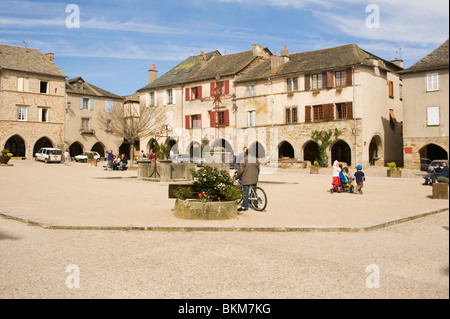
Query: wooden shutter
x=187, y=94
x=199, y=121
x=324, y=80
x=328, y=112
x=81, y=103
x=330, y=79
x=349, y=110
x=227, y=87
x=349, y=77
x=391, y=89
x=91, y=104
x=212, y=119
x=199, y=92
x=187, y=120
x=227, y=117
x=307, y=82
x=212, y=87
x=308, y=113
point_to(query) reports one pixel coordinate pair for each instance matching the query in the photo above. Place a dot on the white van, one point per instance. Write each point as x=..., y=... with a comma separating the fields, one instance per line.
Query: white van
x=49, y=155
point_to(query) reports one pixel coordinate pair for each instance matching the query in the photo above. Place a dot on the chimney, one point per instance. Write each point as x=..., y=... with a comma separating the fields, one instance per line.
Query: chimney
x=202, y=59
x=152, y=74
x=285, y=52
x=50, y=57
x=398, y=62
x=277, y=61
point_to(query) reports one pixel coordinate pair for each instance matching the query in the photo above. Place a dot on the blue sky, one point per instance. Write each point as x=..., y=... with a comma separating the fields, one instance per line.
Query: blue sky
x=117, y=41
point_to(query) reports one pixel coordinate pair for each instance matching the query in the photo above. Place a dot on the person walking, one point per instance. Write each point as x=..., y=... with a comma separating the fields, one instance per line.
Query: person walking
x=336, y=181
x=248, y=174
x=360, y=178
x=110, y=157
x=66, y=157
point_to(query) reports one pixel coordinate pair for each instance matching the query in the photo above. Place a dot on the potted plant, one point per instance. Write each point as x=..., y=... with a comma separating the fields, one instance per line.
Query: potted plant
x=314, y=169
x=162, y=152
x=215, y=194
x=393, y=170
x=91, y=160
x=5, y=157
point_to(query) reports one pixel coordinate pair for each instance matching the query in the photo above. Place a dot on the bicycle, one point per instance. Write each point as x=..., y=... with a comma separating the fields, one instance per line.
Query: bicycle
x=257, y=198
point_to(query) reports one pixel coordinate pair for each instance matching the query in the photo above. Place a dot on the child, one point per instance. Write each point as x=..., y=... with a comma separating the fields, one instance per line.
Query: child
x=359, y=177
x=336, y=179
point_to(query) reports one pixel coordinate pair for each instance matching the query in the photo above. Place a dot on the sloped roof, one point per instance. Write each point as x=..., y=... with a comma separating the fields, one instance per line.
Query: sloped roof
x=180, y=73
x=437, y=59
x=27, y=60
x=87, y=89
x=314, y=61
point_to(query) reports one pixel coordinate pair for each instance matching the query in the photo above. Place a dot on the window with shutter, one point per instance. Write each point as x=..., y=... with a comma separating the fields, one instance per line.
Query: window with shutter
x=318, y=112
x=349, y=77
x=349, y=110
x=433, y=116
x=391, y=89
x=186, y=94
x=187, y=122
x=432, y=82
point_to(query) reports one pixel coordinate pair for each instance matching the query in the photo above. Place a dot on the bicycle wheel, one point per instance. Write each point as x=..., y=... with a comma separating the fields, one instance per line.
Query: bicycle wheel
x=258, y=198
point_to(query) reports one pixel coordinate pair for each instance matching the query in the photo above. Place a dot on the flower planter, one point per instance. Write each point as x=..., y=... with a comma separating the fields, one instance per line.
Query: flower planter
x=396, y=173
x=193, y=209
x=440, y=191
x=4, y=159
x=314, y=170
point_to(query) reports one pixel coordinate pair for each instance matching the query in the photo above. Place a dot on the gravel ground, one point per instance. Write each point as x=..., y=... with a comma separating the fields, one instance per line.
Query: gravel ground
x=412, y=260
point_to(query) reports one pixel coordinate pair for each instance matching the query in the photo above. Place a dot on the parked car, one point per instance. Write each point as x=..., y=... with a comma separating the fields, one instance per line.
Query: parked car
x=200, y=161
x=174, y=158
x=184, y=158
x=83, y=157
x=48, y=155
x=433, y=164
x=424, y=164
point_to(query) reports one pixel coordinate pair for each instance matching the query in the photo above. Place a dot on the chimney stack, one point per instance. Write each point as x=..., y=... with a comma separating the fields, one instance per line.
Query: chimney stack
x=285, y=52
x=152, y=74
x=398, y=62
x=50, y=57
x=202, y=59
x=277, y=61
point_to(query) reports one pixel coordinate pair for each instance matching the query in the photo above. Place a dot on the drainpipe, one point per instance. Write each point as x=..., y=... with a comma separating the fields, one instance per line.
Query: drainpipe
x=181, y=147
x=354, y=113
x=272, y=151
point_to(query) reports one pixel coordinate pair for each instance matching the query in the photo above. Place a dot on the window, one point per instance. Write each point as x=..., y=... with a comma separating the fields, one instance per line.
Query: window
x=251, y=118
x=223, y=118
x=433, y=116
x=196, y=121
x=43, y=114
x=250, y=90
x=291, y=115
x=169, y=97
x=79, y=85
x=196, y=93
x=400, y=91
x=108, y=126
x=86, y=104
x=85, y=124
x=150, y=99
x=318, y=112
x=22, y=113
x=317, y=81
x=292, y=84
x=340, y=78
x=22, y=85
x=43, y=88
x=391, y=89
x=341, y=111
x=432, y=82
x=109, y=106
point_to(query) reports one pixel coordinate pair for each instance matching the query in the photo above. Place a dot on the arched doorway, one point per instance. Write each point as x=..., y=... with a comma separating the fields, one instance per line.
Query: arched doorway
x=151, y=145
x=374, y=149
x=433, y=152
x=311, y=152
x=195, y=150
x=16, y=145
x=172, y=142
x=125, y=148
x=99, y=148
x=75, y=149
x=285, y=149
x=40, y=143
x=341, y=152
x=257, y=149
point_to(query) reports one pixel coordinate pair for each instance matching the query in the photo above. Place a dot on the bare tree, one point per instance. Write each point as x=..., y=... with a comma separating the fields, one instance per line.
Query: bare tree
x=132, y=121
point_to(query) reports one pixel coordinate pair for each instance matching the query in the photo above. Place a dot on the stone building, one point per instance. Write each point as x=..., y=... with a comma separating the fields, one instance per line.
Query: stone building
x=426, y=108
x=274, y=103
x=85, y=105
x=31, y=101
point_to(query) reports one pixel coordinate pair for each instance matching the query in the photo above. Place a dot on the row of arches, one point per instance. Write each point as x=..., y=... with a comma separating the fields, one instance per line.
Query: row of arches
x=17, y=146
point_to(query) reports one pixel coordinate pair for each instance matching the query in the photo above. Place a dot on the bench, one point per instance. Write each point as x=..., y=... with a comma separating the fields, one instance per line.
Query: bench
x=174, y=186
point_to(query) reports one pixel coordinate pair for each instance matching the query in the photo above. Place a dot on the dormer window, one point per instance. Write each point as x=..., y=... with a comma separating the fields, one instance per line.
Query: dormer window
x=79, y=85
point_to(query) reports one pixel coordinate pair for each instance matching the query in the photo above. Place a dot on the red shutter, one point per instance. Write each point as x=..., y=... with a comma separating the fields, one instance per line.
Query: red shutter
x=307, y=82
x=199, y=118
x=349, y=77
x=328, y=113
x=212, y=88
x=187, y=94
x=212, y=119
x=227, y=87
x=187, y=120
x=227, y=118
x=330, y=79
x=324, y=80
x=349, y=110
x=199, y=90
x=308, y=113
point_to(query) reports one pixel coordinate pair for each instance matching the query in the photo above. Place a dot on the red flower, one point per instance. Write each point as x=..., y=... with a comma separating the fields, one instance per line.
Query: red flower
x=199, y=195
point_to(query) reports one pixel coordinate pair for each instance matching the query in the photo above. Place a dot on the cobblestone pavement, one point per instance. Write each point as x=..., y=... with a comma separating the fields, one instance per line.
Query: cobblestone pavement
x=407, y=260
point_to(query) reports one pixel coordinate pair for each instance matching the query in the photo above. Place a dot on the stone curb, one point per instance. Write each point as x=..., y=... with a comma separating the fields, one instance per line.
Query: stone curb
x=368, y=227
